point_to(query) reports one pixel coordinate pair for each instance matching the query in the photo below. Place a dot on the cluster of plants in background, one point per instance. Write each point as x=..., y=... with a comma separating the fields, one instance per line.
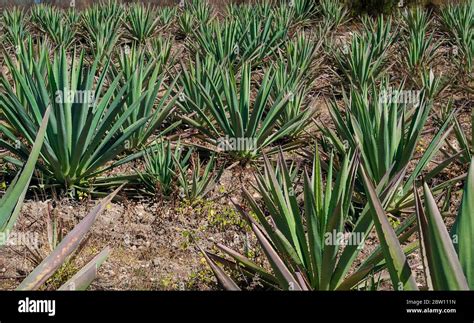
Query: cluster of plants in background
x=176, y=94
x=457, y=20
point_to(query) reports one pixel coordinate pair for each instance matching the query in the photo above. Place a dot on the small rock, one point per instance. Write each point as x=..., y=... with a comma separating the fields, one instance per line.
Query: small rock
x=256, y=195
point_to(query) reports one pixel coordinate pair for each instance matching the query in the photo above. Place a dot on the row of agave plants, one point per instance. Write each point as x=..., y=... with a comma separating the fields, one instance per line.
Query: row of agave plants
x=85, y=93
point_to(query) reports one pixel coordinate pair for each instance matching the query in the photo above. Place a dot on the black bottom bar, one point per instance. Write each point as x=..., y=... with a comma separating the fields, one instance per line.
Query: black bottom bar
x=237, y=306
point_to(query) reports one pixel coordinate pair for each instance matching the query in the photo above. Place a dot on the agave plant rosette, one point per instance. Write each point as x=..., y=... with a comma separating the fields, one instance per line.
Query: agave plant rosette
x=159, y=48
x=363, y=61
x=54, y=23
x=102, y=24
x=202, y=72
x=32, y=53
x=302, y=53
x=72, y=17
x=166, y=16
x=199, y=179
x=421, y=47
x=161, y=164
x=298, y=108
x=14, y=25
x=387, y=125
x=235, y=41
x=380, y=33
x=284, y=15
x=231, y=121
x=244, y=11
x=458, y=20
x=186, y=23
x=146, y=82
x=303, y=244
x=141, y=22
x=201, y=10
x=334, y=13
x=300, y=11
x=87, y=124
x=295, y=74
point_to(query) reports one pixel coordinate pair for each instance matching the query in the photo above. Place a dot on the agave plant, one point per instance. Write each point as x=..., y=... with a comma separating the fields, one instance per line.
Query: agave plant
x=102, y=24
x=387, y=126
x=14, y=25
x=303, y=59
x=243, y=11
x=232, y=122
x=334, y=13
x=377, y=123
x=53, y=22
x=458, y=20
x=447, y=258
x=33, y=52
x=141, y=22
x=421, y=49
x=186, y=22
x=159, y=48
x=288, y=80
x=364, y=61
x=161, y=162
x=219, y=39
x=72, y=17
x=302, y=11
x=302, y=53
x=201, y=10
x=236, y=41
x=87, y=125
x=200, y=179
x=166, y=16
x=301, y=242
x=11, y=202
x=379, y=33
x=433, y=84
x=197, y=74
x=142, y=76
x=60, y=255
x=284, y=15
